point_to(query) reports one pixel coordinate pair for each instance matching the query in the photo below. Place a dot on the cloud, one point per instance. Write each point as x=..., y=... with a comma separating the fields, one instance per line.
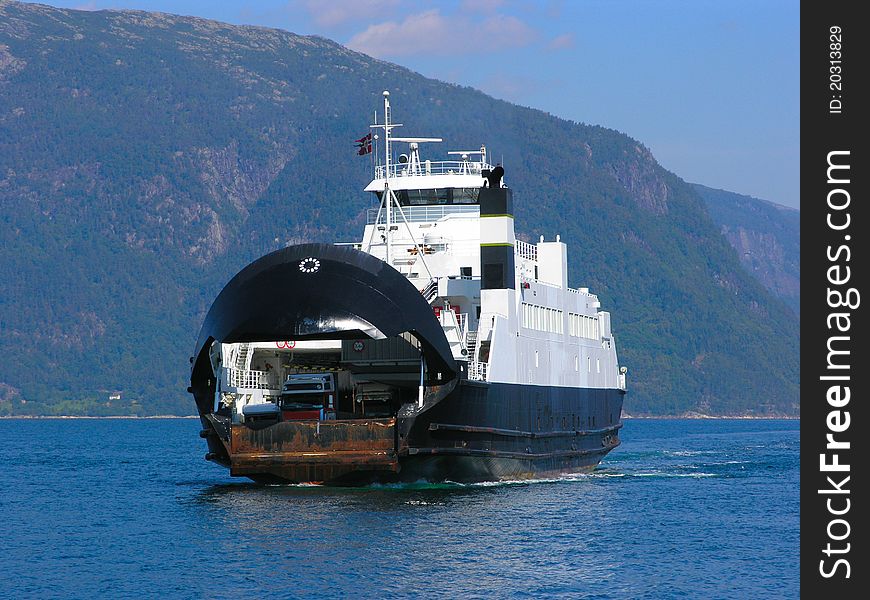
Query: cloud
x=432, y=33
x=562, y=42
x=92, y=5
x=335, y=12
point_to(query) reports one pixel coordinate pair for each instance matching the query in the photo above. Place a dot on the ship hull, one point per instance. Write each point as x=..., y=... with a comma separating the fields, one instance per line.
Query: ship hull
x=477, y=432
x=497, y=431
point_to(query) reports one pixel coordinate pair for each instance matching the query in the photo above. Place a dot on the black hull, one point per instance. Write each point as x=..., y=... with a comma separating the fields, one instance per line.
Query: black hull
x=476, y=469
x=477, y=432
x=497, y=431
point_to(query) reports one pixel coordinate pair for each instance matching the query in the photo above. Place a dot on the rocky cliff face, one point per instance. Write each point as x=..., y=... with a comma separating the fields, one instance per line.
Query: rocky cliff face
x=766, y=237
x=639, y=173
x=145, y=158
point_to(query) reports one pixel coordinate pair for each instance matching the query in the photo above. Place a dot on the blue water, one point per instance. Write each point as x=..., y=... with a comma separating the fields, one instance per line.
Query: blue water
x=129, y=508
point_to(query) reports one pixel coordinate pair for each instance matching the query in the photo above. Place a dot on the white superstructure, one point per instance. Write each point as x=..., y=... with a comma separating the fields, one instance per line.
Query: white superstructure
x=429, y=227
x=532, y=330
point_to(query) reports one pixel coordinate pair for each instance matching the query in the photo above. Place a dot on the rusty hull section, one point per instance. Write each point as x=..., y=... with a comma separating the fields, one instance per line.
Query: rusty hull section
x=314, y=451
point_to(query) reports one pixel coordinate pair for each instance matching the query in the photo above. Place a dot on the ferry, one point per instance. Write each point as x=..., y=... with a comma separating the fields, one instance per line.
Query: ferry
x=439, y=347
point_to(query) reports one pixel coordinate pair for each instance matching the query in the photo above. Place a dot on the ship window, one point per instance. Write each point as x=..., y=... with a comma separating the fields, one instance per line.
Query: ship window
x=536, y=358
x=589, y=363
x=435, y=196
x=576, y=363
x=583, y=326
x=597, y=365
x=465, y=195
x=542, y=318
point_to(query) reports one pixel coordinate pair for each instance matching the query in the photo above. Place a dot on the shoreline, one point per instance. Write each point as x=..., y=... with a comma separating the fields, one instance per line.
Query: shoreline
x=624, y=417
x=714, y=417
x=32, y=417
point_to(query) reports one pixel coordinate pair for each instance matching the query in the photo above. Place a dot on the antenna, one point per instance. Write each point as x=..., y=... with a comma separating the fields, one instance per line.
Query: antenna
x=388, y=198
x=417, y=140
x=463, y=154
x=413, y=162
x=387, y=191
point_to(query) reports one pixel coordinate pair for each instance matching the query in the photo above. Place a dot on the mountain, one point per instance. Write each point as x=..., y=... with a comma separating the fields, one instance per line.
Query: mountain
x=766, y=236
x=145, y=158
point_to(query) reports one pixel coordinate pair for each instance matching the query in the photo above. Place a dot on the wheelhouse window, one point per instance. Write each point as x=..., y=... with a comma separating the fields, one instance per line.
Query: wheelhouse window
x=465, y=195
x=435, y=196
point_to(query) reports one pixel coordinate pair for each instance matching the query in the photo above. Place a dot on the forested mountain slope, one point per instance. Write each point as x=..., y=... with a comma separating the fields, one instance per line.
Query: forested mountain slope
x=145, y=158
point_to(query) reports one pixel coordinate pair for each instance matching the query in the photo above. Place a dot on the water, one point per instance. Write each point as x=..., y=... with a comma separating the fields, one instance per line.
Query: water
x=128, y=508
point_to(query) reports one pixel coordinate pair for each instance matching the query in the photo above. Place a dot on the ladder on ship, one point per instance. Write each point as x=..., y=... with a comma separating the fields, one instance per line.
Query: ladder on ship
x=242, y=357
x=471, y=343
x=430, y=292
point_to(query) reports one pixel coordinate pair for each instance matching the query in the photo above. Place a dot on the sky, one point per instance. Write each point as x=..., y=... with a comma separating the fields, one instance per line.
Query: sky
x=710, y=86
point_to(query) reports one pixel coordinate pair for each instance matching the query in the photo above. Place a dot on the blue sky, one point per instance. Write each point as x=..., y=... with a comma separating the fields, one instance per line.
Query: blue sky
x=711, y=87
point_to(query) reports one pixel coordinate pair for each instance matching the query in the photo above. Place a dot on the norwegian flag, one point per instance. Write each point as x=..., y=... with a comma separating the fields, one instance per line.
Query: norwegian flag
x=364, y=145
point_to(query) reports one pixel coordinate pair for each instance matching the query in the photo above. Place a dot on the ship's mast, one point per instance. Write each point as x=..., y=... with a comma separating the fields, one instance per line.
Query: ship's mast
x=387, y=201
x=389, y=198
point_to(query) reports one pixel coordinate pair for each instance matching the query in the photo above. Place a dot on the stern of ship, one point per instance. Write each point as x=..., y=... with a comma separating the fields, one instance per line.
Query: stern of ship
x=313, y=363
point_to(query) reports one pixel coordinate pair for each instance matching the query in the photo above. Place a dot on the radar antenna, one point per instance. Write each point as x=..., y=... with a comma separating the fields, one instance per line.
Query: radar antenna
x=465, y=167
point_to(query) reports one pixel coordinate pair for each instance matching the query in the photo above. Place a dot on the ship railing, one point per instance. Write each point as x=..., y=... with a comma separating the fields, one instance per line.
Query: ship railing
x=477, y=370
x=526, y=250
x=444, y=167
x=548, y=284
x=581, y=291
x=418, y=214
x=250, y=380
